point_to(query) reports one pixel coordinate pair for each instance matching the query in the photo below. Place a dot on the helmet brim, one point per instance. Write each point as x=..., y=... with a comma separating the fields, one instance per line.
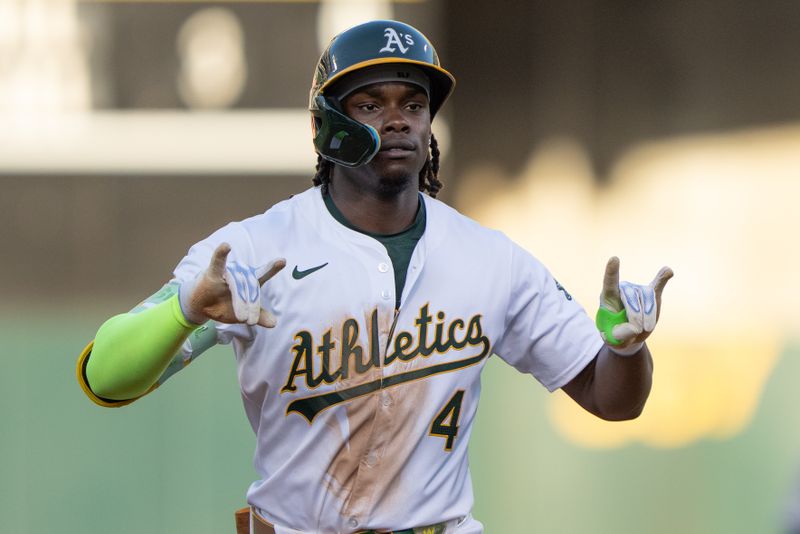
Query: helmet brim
x=442, y=82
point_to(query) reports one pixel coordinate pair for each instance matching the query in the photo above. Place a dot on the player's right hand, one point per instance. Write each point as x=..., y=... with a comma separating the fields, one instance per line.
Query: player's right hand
x=229, y=292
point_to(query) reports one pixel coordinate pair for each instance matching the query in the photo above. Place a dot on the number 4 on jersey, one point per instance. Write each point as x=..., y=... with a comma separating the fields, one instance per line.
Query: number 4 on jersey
x=446, y=423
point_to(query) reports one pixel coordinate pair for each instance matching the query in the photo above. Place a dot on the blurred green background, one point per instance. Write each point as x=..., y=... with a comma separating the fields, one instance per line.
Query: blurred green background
x=178, y=461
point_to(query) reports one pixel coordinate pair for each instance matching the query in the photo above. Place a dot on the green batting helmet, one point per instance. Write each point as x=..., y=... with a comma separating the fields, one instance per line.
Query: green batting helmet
x=339, y=138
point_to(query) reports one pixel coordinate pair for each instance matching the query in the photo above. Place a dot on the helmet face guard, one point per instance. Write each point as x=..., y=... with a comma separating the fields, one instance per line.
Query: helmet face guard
x=341, y=139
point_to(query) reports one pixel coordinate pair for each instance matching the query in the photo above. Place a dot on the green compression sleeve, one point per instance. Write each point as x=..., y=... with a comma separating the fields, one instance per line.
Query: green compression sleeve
x=606, y=320
x=132, y=350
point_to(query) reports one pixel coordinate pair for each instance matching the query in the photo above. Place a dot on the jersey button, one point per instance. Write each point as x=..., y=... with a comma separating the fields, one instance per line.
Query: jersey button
x=386, y=399
x=383, y=267
x=372, y=459
x=385, y=295
x=353, y=522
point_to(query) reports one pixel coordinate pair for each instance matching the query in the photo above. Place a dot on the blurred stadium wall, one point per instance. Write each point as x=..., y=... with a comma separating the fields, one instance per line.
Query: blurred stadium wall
x=662, y=132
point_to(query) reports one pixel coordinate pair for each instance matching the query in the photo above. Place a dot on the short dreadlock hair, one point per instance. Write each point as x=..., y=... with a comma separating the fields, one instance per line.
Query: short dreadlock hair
x=428, y=176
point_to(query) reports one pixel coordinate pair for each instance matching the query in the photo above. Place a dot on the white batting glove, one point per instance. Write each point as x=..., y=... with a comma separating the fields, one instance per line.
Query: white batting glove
x=245, y=290
x=228, y=292
x=629, y=312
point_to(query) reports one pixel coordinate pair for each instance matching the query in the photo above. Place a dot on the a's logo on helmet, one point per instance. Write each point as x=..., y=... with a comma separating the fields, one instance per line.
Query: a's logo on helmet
x=396, y=39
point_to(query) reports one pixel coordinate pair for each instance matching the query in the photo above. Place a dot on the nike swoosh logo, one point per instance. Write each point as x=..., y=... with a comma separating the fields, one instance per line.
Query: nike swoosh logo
x=297, y=274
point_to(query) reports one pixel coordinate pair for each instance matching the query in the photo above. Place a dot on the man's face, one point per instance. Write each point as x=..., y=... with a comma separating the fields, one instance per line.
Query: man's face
x=400, y=112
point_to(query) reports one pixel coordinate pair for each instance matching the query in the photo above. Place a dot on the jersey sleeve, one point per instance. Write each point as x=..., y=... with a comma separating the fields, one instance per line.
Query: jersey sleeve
x=547, y=333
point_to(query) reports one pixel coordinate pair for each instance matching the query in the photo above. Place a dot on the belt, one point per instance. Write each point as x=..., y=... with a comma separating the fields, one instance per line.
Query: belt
x=262, y=526
x=432, y=529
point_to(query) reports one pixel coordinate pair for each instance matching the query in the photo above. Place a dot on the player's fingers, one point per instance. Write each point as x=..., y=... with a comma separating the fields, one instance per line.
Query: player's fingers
x=658, y=283
x=649, y=315
x=267, y=319
x=626, y=332
x=252, y=294
x=219, y=259
x=238, y=290
x=633, y=302
x=271, y=269
x=609, y=296
x=611, y=278
x=253, y=314
x=661, y=280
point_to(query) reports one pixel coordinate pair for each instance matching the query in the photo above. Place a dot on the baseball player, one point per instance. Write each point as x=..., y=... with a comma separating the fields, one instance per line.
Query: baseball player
x=362, y=311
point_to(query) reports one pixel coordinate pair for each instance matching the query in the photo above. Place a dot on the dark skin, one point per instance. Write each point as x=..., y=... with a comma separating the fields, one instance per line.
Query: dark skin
x=613, y=387
x=382, y=197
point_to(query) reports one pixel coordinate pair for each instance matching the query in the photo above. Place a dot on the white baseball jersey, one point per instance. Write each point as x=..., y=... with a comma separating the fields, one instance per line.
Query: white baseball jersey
x=362, y=414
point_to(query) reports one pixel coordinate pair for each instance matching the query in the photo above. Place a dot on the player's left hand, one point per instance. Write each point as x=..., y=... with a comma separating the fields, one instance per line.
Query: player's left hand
x=629, y=312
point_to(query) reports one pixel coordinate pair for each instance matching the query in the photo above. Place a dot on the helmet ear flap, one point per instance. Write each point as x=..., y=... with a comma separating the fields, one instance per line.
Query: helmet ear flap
x=340, y=139
x=316, y=124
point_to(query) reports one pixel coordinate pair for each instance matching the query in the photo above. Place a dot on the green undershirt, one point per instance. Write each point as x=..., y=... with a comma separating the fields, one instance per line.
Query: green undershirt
x=400, y=246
